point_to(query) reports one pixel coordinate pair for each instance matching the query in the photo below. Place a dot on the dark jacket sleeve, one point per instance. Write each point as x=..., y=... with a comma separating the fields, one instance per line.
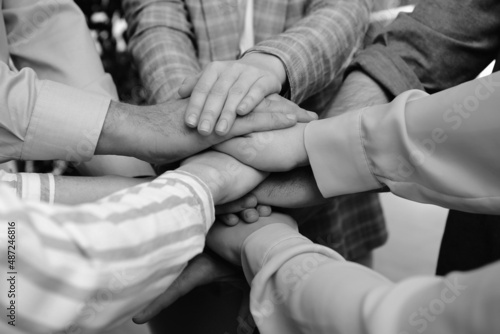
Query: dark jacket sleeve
x=441, y=44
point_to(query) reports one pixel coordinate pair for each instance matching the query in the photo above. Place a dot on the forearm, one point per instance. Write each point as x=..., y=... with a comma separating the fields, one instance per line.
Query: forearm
x=300, y=287
x=357, y=91
x=418, y=146
x=130, y=246
x=136, y=131
x=66, y=189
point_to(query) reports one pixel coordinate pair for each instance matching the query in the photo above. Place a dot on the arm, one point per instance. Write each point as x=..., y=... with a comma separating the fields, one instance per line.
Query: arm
x=61, y=49
x=45, y=120
x=300, y=287
x=319, y=46
x=441, y=44
x=80, y=256
x=419, y=146
x=124, y=249
x=65, y=189
x=161, y=42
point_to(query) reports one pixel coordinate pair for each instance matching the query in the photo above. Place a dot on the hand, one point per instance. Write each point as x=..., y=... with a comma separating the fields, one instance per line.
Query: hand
x=245, y=209
x=201, y=270
x=158, y=134
x=227, y=178
x=228, y=88
x=227, y=241
x=294, y=189
x=272, y=151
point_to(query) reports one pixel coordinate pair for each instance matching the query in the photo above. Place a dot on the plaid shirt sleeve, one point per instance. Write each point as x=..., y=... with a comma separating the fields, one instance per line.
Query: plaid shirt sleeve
x=93, y=265
x=161, y=42
x=320, y=46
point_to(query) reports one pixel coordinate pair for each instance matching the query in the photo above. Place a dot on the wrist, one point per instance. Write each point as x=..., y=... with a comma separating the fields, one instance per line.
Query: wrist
x=113, y=139
x=202, y=173
x=268, y=63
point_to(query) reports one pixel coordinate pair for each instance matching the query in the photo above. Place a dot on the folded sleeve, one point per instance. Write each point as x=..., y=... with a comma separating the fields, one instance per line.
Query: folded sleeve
x=439, y=45
x=317, y=48
x=45, y=120
x=120, y=252
x=162, y=44
x=440, y=149
x=299, y=287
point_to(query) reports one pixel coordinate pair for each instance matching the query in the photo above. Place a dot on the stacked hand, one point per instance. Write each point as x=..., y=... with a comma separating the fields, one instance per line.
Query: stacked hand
x=227, y=178
x=158, y=134
x=272, y=151
x=226, y=89
x=204, y=269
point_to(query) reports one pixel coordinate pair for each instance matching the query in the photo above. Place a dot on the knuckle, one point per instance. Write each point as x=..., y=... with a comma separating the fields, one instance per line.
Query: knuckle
x=201, y=88
x=249, y=99
x=218, y=90
x=209, y=113
x=237, y=90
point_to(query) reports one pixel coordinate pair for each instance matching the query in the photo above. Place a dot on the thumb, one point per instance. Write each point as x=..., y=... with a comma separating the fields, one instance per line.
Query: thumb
x=187, y=86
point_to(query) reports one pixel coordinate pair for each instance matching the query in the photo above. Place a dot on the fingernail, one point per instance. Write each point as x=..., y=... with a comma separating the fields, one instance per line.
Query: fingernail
x=313, y=114
x=233, y=220
x=222, y=126
x=241, y=109
x=251, y=215
x=205, y=126
x=192, y=120
x=291, y=117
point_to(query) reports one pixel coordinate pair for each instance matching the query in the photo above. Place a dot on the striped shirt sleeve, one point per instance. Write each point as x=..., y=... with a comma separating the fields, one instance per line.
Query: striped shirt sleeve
x=30, y=186
x=82, y=268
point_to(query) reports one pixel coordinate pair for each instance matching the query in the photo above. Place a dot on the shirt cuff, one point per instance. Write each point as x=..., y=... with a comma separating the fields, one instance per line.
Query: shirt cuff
x=274, y=245
x=337, y=155
x=66, y=124
x=388, y=69
x=199, y=190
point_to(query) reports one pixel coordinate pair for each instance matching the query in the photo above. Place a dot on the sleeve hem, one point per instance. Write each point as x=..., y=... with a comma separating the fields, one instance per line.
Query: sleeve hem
x=337, y=155
x=204, y=196
x=66, y=124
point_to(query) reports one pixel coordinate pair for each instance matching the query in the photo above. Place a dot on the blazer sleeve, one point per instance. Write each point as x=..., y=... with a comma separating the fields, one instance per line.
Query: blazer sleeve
x=161, y=42
x=319, y=46
x=438, y=46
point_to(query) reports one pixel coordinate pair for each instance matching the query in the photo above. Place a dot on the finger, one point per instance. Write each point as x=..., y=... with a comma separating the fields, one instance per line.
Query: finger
x=264, y=210
x=199, y=96
x=260, y=89
x=229, y=219
x=246, y=202
x=257, y=122
x=236, y=94
x=188, y=84
x=215, y=102
x=249, y=215
x=277, y=104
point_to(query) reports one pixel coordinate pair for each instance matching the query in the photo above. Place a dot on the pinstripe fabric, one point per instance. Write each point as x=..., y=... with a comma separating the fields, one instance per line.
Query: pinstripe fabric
x=71, y=266
x=315, y=39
